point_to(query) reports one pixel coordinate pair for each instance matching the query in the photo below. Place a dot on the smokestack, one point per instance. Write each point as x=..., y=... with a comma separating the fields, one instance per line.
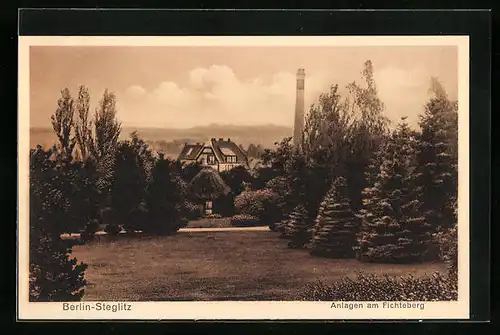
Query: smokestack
x=299, y=108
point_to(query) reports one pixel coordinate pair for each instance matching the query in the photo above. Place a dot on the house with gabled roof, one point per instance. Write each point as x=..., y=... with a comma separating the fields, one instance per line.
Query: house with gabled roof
x=222, y=155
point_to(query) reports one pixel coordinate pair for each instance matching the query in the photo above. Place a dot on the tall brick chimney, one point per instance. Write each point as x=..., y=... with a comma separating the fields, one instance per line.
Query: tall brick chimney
x=299, y=108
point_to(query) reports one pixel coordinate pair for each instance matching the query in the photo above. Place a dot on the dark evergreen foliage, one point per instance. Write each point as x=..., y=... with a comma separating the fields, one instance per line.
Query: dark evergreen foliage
x=336, y=225
x=54, y=276
x=164, y=199
x=393, y=227
x=128, y=193
x=299, y=228
x=189, y=171
x=438, y=159
x=208, y=185
x=236, y=180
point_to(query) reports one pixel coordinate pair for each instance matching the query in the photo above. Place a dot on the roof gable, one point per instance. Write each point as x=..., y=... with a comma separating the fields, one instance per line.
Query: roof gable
x=228, y=148
x=220, y=148
x=190, y=151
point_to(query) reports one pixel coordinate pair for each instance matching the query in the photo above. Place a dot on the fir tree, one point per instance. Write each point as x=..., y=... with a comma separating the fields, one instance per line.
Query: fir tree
x=438, y=158
x=393, y=227
x=336, y=225
x=299, y=228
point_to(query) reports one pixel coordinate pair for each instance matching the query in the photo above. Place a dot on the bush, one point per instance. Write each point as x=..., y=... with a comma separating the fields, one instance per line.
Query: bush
x=54, y=275
x=384, y=288
x=245, y=220
x=183, y=223
x=112, y=229
x=263, y=204
x=447, y=241
x=191, y=211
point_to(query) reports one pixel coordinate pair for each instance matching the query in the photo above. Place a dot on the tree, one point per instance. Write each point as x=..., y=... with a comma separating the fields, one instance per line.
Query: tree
x=298, y=228
x=282, y=189
x=190, y=170
x=254, y=151
x=54, y=276
x=336, y=225
x=128, y=189
x=235, y=179
x=393, y=228
x=164, y=198
x=62, y=124
x=83, y=126
x=208, y=185
x=107, y=128
x=438, y=158
x=104, y=143
x=368, y=133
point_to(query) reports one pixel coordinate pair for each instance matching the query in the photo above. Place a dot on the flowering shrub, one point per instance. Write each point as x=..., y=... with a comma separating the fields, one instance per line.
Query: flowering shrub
x=244, y=220
x=384, y=288
x=263, y=204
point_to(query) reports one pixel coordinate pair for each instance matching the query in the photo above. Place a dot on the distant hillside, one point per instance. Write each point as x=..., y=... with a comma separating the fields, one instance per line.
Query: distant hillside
x=264, y=135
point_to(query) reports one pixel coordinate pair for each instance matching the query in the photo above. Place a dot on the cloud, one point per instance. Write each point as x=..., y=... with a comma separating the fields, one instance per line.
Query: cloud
x=136, y=91
x=216, y=94
x=404, y=93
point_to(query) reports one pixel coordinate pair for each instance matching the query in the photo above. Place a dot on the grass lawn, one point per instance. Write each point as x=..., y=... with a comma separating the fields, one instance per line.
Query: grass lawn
x=211, y=223
x=243, y=265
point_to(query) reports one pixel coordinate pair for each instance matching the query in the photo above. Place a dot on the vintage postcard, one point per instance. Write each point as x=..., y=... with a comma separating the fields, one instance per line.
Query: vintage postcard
x=248, y=178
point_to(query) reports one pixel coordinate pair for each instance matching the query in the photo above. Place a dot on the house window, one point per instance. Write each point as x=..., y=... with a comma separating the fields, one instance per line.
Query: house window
x=231, y=159
x=211, y=159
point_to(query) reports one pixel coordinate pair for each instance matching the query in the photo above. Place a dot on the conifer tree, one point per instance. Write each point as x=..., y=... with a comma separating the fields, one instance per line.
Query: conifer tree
x=54, y=276
x=128, y=191
x=393, y=228
x=299, y=228
x=336, y=225
x=438, y=158
x=164, y=198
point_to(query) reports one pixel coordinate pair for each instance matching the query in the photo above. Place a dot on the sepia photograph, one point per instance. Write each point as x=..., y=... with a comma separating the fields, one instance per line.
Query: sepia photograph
x=259, y=177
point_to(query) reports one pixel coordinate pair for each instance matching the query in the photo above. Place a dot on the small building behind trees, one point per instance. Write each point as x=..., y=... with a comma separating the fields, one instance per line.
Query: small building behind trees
x=221, y=155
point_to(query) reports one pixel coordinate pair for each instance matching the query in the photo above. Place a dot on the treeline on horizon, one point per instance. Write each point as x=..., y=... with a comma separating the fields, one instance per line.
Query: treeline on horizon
x=352, y=188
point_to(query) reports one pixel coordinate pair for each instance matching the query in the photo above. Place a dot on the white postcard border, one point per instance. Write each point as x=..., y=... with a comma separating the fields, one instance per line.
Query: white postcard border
x=258, y=310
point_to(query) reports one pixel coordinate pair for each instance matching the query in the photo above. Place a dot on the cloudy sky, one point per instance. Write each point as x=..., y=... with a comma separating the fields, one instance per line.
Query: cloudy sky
x=179, y=87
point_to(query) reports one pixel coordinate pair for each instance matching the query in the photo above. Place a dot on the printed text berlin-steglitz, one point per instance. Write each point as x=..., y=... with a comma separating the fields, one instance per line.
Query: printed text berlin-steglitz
x=99, y=306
